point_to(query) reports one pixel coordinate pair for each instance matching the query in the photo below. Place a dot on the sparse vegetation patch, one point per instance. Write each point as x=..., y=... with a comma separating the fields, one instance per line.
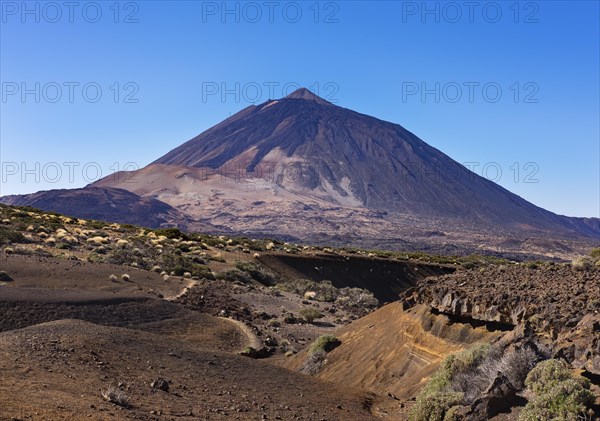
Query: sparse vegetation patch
x=115, y=396
x=467, y=378
x=558, y=393
x=311, y=314
x=324, y=343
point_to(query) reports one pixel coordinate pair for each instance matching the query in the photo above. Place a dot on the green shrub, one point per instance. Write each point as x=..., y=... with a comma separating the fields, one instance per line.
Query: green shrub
x=213, y=241
x=22, y=214
x=546, y=375
x=9, y=236
x=97, y=225
x=257, y=272
x=310, y=314
x=325, y=292
x=324, y=343
x=171, y=233
x=454, y=364
x=317, y=354
x=356, y=298
x=234, y=275
x=202, y=271
x=514, y=364
x=559, y=394
x=437, y=397
x=436, y=407
x=179, y=265
x=290, y=319
x=595, y=253
x=565, y=402
x=125, y=256
x=454, y=413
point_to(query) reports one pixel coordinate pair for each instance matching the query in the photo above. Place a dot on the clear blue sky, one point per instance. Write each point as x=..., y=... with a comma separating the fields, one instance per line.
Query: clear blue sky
x=370, y=57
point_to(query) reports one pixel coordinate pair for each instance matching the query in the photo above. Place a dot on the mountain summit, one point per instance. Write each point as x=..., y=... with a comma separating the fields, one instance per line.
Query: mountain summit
x=304, y=93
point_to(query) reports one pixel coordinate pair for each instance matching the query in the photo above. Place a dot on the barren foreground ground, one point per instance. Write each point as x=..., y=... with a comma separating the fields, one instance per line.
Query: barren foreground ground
x=57, y=370
x=109, y=322
x=69, y=333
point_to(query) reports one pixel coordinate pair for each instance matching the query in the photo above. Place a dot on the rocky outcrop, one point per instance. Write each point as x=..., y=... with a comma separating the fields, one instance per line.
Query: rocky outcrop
x=552, y=297
x=498, y=396
x=552, y=302
x=457, y=304
x=581, y=345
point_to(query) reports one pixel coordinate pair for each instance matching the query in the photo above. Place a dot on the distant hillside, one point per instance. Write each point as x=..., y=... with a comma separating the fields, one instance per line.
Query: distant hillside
x=105, y=204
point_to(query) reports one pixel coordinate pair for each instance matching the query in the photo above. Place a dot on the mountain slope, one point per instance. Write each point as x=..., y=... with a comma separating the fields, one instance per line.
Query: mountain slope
x=304, y=144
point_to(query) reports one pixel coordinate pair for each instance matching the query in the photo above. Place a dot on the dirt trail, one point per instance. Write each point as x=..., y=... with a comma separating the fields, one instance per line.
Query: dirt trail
x=189, y=285
x=253, y=340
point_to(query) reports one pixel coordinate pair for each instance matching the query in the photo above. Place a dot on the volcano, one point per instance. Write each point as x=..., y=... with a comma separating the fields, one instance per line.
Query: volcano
x=303, y=168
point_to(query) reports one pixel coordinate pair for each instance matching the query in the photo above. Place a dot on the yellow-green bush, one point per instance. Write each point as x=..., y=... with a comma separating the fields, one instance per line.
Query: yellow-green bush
x=437, y=397
x=310, y=314
x=560, y=395
x=324, y=343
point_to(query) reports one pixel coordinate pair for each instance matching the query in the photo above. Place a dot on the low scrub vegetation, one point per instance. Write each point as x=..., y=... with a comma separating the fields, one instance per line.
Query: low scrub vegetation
x=559, y=394
x=464, y=377
x=171, y=233
x=310, y=314
x=317, y=354
x=324, y=343
x=473, y=379
x=437, y=397
x=10, y=236
x=314, y=363
x=234, y=275
x=324, y=291
x=116, y=396
x=257, y=272
x=582, y=263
